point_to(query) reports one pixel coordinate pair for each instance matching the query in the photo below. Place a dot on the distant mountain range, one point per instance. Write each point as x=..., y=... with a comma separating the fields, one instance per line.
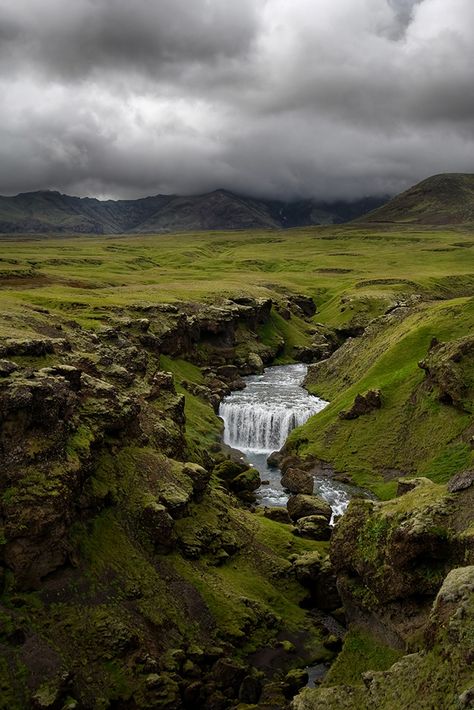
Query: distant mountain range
x=52, y=212
x=441, y=199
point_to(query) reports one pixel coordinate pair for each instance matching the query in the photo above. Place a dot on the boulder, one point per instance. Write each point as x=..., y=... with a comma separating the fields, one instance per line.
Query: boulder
x=7, y=367
x=296, y=480
x=175, y=499
x=250, y=690
x=248, y=480
x=301, y=506
x=227, y=470
x=280, y=515
x=229, y=673
x=461, y=481
x=315, y=527
x=255, y=362
x=448, y=368
x=274, y=459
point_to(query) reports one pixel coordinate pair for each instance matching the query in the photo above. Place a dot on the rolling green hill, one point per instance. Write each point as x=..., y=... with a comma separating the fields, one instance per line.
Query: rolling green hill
x=440, y=199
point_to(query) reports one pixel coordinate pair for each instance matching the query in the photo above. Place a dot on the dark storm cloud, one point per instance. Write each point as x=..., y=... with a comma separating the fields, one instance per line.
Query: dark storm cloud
x=331, y=98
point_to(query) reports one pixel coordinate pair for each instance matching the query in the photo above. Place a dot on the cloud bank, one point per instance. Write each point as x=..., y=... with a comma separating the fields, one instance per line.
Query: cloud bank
x=275, y=98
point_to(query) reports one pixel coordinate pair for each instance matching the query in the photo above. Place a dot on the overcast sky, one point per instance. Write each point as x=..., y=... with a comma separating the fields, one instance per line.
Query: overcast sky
x=284, y=98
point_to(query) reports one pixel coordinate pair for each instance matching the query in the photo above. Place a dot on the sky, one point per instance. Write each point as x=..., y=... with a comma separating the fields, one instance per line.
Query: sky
x=331, y=99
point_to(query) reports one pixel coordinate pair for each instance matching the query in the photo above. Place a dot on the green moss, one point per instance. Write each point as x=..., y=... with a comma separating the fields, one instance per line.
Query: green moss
x=361, y=652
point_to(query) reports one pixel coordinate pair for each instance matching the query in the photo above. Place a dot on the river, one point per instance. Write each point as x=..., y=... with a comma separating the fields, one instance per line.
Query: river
x=258, y=420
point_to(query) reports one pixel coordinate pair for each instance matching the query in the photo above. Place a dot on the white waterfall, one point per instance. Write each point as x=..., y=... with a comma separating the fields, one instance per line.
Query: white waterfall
x=262, y=427
x=259, y=418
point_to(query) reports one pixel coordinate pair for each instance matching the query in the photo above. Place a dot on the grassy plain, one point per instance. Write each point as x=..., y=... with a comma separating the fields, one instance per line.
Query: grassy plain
x=84, y=276
x=353, y=273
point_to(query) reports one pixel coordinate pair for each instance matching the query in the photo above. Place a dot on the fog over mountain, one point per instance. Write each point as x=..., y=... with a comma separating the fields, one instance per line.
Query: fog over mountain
x=328, y=99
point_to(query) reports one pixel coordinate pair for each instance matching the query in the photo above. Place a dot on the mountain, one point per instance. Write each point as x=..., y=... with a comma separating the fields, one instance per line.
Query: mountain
x=440, y=199
x=52, y=212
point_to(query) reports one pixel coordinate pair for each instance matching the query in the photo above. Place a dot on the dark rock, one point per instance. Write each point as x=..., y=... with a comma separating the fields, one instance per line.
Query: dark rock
x=274, y=459
x=304, y=303
x=200, y=478
x=313, y=353
x=363, y=404
x=294, y=681
x=7, y=367
x=461, y=481
x=301, y=506
x=250, y=690
x=192, y=695
x=159, y=525
x=315, y=527
x=296, y=480
x=229, y=673
x=161, y=382
x=71, y=374
x=333, y=643
x=280, y=515
x=315, y=572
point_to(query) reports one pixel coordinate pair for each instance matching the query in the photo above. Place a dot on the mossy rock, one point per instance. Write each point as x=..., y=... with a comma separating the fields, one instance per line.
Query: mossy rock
x=314, y=527
x=228, y=470
x=248, y=481
x=301, y=506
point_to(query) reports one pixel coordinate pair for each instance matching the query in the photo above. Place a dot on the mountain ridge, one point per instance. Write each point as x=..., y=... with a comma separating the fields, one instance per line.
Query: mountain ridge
x=50, y=211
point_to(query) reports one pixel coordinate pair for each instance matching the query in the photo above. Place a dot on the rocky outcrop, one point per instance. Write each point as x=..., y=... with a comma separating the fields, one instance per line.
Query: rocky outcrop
x=116, y=520
x=449, y=367
x=440, y=675
x=315, y=572
x=363, y=404
x=461, y=481
x=51, y=424
x=416, y=539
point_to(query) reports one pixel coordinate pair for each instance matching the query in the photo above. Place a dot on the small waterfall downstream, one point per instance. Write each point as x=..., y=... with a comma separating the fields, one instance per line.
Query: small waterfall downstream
x=258, y=421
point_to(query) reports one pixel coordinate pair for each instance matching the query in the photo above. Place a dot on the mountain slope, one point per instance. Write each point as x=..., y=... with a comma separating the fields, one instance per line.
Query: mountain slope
x=440, y=199
x=52, y=212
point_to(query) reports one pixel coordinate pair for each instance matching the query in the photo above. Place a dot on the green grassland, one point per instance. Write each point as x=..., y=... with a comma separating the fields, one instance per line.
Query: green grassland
x=354, y=274
x=119, y=593
x=84, y=276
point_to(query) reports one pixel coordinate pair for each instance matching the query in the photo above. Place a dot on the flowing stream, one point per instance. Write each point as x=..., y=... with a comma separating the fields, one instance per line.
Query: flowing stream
x=258, y=420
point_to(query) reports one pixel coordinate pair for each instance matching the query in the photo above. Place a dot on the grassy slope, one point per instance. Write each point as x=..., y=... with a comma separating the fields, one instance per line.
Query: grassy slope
x=413, y=432
x=440, y=199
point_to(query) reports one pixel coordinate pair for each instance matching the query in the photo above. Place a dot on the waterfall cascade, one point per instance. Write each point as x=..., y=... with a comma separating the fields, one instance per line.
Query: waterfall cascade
x=259, y=418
